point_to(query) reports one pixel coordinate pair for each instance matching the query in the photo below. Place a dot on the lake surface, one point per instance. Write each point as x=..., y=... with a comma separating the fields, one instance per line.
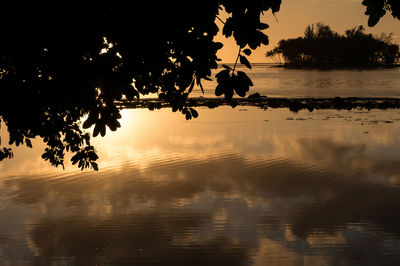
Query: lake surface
x=238, y=186
x=283, y=82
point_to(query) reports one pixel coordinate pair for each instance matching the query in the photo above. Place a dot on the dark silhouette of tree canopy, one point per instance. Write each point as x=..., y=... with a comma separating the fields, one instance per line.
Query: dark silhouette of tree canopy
x=63, y=60
x=322, y=47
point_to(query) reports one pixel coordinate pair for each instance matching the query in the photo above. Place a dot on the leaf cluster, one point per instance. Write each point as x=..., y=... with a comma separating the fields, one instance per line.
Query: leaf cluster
x=85, y=158
x=232, y=82
x=244, y=24
x=6, y=153
x=67, y=60
x=73, y=59
x=376, y=9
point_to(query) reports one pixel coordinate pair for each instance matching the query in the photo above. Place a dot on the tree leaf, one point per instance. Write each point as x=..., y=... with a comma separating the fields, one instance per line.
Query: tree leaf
x=244, y=61
x=263, y=38
x=191, y=86
x=222, y=75
x=95, y=166
x=28, y=143
x=219, y=90
x=96, y=130
x=228, y=28
x=201, y=87
x=90, y=120
x=247, y=51
x=103, y=130
x=92, y=156
x=218, y=45
x=263, y=26
x=241, y=91
x=188, y=115
x=228, y=94
x=195, y=114
x=244, y=78
x=275, y=5
x=373, y=20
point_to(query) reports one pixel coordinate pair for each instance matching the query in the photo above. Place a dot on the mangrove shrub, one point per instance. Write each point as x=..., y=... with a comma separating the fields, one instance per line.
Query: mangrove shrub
x=322, y=47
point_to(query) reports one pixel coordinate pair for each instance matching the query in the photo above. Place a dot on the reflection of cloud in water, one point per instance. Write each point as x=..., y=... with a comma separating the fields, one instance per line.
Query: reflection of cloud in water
x=285, y=192
x=85, y=242
x=201, y=203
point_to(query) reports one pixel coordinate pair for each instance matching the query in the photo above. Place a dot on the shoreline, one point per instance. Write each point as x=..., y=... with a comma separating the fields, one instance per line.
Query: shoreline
x=319, y=67
x=294, y=104
x=327, y=67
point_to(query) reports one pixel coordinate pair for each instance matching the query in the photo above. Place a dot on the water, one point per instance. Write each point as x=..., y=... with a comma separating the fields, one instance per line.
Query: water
x=281, y=82
x=234, y=187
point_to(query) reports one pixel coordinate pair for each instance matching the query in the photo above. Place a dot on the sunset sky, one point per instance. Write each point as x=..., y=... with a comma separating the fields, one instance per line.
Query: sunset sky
x=295, y=15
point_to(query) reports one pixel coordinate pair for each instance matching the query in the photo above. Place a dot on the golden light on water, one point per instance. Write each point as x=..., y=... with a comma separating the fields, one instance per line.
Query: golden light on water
x=241, y=185
x=149, y=136
x=264, y=180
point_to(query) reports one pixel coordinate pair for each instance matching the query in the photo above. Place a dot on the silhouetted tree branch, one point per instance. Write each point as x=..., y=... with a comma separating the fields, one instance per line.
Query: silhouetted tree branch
x=62, y=61
x=376, y=9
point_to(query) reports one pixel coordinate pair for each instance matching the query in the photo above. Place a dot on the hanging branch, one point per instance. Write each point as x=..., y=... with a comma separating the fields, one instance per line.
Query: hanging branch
x=237, y=58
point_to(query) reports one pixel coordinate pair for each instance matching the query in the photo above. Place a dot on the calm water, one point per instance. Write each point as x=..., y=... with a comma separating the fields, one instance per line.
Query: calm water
x=280, y=82
x=234, y=187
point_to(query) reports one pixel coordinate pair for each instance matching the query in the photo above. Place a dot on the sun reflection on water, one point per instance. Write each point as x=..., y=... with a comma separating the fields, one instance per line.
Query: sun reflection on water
x=232, y=186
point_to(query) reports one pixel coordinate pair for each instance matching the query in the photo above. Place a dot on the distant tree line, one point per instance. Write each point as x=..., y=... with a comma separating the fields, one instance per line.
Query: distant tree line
x=323, y=47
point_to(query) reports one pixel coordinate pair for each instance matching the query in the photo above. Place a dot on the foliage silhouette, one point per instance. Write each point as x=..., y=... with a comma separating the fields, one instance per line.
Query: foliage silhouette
x=62, y=61
x=378, y=8
x=322, y=47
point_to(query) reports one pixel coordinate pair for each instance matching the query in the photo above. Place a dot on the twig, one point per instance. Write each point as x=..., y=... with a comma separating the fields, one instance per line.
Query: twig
x=275, y=17
x=220, y=20
x=237, y=58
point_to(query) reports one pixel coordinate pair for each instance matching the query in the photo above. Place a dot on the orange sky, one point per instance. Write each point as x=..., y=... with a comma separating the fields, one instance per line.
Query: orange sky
x=295, y=15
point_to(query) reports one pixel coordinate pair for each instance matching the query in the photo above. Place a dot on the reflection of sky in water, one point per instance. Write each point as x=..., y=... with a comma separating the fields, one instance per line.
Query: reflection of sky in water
x=281, y=82
x=231, y=187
